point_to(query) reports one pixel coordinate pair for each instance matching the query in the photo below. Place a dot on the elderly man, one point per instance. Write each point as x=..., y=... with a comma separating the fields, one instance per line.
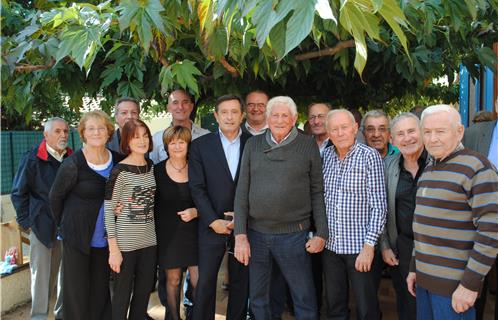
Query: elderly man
x=255, y=123
x=180, y=105
x=455, y=224
x=402, y=172
x=126, y=108
x=483, y=138
x=376, y=131
x=30, y=190
x=280, y=187
x=213, y=174
x=355, y=200
x=317, y=114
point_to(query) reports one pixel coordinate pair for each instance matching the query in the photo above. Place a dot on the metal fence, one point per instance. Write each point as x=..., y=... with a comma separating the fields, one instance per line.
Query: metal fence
x=14, y=144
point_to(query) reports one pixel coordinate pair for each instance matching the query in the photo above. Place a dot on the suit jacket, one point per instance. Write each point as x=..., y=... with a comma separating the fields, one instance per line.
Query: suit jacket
x=211, y=183
x=113, y=143
x=478, y=137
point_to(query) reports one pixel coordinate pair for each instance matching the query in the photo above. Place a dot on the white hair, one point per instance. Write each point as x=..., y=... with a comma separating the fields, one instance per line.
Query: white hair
x=402, y=116
x=281, y=100
x=441, y=108
x=47, y=127
x=333, y=112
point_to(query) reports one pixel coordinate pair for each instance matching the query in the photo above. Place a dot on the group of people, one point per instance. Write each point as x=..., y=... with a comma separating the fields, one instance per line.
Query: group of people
x=312, y=215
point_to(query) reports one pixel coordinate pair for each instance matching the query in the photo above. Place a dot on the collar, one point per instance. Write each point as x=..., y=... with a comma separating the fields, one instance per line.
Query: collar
x=422, y=159
x=223, y=137
x=458, y=148
x=253, y=131
x=43, y=153
x=333, y=149
x=288, y=139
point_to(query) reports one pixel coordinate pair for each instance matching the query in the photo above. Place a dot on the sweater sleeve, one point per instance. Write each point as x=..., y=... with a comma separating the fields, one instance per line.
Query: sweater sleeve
x=316, y=192
x=65, y=180
x=376, y=197
x=114, y=188
x=241, y=204
x=484, y=204
x=20, y=192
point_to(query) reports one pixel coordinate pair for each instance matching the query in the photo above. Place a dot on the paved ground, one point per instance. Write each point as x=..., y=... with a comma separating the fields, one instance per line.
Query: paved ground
x=387, y=302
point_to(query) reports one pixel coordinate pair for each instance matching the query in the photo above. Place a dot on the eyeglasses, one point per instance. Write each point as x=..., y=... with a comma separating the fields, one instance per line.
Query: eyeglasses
x=256, y=105
x=93, y=129
x=319, y=117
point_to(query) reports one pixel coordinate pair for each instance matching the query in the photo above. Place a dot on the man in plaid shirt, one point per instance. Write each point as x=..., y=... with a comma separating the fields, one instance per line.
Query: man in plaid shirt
x=355, y=201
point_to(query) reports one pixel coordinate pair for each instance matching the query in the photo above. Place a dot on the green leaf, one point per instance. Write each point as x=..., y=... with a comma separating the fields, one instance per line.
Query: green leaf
x=166, y=79
x=391, y=12
x=218, y=42
x=265, y=17
x=299, y=25
x=112, y=72
x=153, y=10
x=184, y=73
x=472, y=6
x=277, y=39
x=325, y=11
x=487, y=57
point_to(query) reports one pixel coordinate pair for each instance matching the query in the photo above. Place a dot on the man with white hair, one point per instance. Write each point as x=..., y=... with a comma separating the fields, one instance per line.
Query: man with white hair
x=402, y=172
x=280, y=186
x=31, y=186
x=455, y=224
x=355, y=201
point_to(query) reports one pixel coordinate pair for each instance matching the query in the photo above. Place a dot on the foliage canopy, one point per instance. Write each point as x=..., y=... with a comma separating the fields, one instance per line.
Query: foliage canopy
x=350, y=52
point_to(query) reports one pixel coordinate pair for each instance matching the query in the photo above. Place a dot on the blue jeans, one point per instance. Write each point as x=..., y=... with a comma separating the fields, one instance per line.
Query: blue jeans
x=432, y=306
x=288, y=251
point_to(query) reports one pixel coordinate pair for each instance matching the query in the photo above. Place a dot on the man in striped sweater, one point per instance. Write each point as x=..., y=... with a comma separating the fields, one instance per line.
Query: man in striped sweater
x=455, y=223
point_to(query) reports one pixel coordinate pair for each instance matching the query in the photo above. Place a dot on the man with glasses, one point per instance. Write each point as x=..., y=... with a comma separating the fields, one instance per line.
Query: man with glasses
x=255, y=113
x=317, y=114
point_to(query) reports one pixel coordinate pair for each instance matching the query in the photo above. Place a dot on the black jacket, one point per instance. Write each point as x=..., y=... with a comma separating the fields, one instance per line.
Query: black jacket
x=30, y=189
x=75, y=198
x=211, y=183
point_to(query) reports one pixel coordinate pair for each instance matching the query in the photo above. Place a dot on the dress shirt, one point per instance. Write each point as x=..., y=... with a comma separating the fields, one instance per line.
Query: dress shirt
x=493, y=147
x=159, y=154
x=58, y=156
x=232, y=152
x=355, y=198
x=253, y=131
x=322, y=147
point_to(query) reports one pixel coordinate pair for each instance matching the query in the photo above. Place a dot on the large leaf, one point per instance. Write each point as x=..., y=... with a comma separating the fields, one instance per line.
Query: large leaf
x=300, y=23
x=266, y=17
x=184, y=73
x=391, y=12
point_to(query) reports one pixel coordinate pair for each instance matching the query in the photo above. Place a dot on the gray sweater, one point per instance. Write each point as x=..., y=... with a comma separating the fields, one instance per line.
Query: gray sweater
x=280, y=186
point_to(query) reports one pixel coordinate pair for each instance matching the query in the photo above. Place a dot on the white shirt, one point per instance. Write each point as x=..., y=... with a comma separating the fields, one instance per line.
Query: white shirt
x=159, y=154
x=232, y=152
x=58, y=156
x=255, y=132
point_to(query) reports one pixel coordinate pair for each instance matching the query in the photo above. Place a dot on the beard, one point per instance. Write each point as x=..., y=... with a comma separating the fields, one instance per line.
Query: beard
x=62, y=144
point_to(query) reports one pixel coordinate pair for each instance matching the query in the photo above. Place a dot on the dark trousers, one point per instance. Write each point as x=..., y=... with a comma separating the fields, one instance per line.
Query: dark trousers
x=288, y=251
x=210, y=258
x=339, y=272
x=137, y=275
x=86, y=294
x=405, y=302
x=317, y=269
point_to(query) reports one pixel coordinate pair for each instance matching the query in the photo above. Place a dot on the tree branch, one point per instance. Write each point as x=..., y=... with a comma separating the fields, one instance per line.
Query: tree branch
x=325, y=52
x=24, y=67
x=229, y=67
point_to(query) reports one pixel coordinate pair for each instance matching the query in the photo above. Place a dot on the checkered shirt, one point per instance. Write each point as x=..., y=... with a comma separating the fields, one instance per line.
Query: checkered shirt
x=355, y=198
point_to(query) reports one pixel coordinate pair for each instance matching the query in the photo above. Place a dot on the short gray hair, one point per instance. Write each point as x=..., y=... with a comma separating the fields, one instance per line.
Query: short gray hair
x=333, y=112
x=402, y=116
x=281, y=100
x=47, y=126
x=441, y=108
x=374, y=114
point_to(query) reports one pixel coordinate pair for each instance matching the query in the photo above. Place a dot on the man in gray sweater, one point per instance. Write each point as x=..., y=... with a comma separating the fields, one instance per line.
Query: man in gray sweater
x=280, y=186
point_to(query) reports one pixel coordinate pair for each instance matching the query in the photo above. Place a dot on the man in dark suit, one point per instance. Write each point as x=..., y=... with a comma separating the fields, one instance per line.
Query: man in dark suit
x=214, y=163
x=483, y=138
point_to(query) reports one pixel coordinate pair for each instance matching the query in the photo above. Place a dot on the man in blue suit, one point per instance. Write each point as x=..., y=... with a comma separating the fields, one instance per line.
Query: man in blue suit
x=214, y=163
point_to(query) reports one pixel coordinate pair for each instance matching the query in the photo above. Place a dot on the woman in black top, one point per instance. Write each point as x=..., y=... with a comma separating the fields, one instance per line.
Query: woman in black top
x=76, y=200
x=176, y=223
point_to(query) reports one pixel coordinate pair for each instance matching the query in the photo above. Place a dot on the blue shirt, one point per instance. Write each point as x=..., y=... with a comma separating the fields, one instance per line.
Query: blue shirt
x=232, y=152
x=99, y=238
x=493, y=147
